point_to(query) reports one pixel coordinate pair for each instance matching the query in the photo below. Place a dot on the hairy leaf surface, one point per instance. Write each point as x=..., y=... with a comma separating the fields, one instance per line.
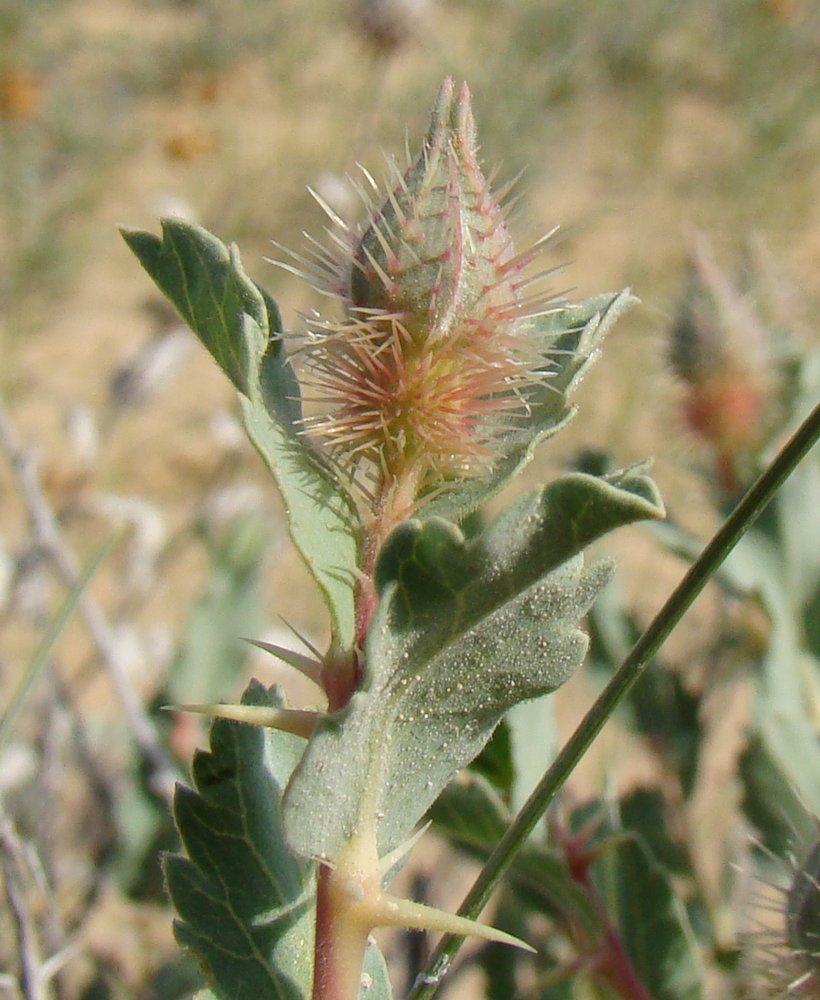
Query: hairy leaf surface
x=246, y=904
x=463, y=631
x=239, y=324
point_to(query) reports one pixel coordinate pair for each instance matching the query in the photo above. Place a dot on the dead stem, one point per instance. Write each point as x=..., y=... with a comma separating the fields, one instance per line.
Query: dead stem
x=49, y=540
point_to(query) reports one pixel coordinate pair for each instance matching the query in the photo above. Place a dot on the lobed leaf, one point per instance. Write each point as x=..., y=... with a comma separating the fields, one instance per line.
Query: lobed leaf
x=242, y=898
x=245, y=903
x=463, y=631
x=650, y=919
x=239, y=324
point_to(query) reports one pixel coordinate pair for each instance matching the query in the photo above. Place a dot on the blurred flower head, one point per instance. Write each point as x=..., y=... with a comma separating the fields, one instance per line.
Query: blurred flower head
x=731, y=367
x=389, y=24
x=784, y=955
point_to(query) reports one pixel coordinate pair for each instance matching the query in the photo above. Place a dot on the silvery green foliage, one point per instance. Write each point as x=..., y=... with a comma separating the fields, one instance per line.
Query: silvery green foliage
x=239, y=324
x=464, y=629
x=244, y=902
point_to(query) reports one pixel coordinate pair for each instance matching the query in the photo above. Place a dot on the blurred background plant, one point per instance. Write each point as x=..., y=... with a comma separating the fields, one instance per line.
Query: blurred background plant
x=691, y=878
x=634, y=125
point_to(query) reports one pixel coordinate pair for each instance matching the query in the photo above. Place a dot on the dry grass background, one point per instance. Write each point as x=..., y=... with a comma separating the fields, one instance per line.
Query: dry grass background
x=634, y=123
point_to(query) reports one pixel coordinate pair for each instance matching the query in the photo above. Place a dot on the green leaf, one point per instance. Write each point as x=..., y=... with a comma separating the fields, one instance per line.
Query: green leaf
x=495, y=762
x=472, y=817
x=240, y=326
x=177, y=979
x=242, y=898
x=533, y=736
x=793, y=744
x=572, y=337
x=650, y=919
x=245, y=903
x=463, y=631
x=471, y=814
x=644, y=812
x=771, y=802
x=205, y=282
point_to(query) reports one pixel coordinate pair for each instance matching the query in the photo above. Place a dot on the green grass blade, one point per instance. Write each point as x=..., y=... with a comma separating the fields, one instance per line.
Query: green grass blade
x=43, y=653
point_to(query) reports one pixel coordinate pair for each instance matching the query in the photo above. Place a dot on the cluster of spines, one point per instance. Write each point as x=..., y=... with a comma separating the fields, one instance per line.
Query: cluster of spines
x=431, y=361
x=783, y=951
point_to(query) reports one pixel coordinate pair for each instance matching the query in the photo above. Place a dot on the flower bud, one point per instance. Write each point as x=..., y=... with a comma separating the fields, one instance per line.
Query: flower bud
x=432, y=359
x=435, y=251
x=722, y=352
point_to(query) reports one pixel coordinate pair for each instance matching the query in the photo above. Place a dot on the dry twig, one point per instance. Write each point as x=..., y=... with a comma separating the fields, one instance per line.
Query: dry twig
x=33, y=984
x=49, y=540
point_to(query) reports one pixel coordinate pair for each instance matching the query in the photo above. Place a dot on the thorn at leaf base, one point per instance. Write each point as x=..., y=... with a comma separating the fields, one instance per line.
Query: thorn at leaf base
x=287, y=720
x=396, y=912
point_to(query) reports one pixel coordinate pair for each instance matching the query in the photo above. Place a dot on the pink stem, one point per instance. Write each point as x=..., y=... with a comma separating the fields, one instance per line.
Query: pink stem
x=339, y=946
x=611, y=962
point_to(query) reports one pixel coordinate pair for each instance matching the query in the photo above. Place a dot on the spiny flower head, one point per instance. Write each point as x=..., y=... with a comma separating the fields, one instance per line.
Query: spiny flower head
x=724, y=355
x=431, y=360
x=785, y=960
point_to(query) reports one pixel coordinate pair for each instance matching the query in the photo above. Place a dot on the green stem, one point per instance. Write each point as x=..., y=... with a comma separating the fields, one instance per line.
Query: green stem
x=679, y=602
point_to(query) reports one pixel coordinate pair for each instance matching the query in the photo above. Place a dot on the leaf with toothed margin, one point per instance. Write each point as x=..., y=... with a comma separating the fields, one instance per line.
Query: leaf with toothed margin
x=239, y=324
x=464, y=630
x=649, y=917
x=246, y=905
x=571, y=336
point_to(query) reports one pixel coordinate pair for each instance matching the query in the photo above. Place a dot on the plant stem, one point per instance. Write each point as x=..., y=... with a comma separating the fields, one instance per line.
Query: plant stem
x=613, y=965
x=679, y=602
x=348, y=895
x=340, y=944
